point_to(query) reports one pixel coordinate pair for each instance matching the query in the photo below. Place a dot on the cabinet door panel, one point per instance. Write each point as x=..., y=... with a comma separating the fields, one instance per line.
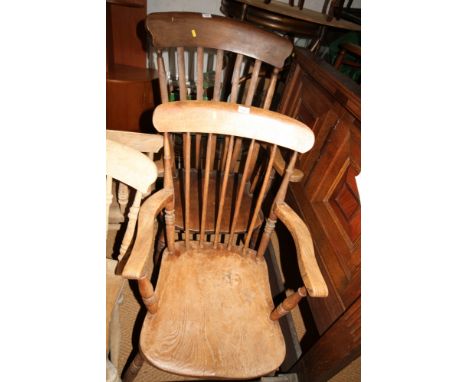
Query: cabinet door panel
x=129, y=106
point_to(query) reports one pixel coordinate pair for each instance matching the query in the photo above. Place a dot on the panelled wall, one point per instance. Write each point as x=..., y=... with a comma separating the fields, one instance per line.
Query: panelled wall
x=328, y=200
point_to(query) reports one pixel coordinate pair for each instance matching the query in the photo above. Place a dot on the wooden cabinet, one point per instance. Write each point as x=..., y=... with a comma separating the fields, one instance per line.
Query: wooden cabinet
x=328, y=200
x=129, y=91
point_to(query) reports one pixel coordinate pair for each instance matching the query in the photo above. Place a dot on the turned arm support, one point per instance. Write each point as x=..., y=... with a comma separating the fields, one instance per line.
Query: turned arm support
x=280, y=165
x=310, y=271
x=142, y=251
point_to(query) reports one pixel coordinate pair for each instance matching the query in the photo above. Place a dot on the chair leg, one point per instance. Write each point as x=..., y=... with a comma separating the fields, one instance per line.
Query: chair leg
x=134, y=368
x=114, y=335
x=111, y=372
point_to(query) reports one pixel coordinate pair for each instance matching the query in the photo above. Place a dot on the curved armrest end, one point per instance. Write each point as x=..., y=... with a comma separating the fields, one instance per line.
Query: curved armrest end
x=280, y=167
x=143, y=142
x=310, y=271
x=142, y=251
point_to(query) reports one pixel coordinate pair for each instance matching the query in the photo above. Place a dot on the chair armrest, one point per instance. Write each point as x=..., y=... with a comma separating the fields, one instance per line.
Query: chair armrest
x=143, y=142
x=142, y=251
x=310, y=271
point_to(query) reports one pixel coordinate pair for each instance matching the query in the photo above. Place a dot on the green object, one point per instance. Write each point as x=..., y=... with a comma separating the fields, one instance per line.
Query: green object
x=334, y=49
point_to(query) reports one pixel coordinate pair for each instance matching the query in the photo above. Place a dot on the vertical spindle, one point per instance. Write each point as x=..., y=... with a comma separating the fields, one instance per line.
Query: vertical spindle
x=218, y=73
x=162, y=78
x=206, y=182
x=240, y=194
x=271, y=89
x=223, y=191
x=181, y=71
x=187, y=187
x=260, y=197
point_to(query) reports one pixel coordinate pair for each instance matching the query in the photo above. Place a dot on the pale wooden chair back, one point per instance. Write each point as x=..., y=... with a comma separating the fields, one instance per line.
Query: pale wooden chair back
x=213, y=119
x=238, y=53
x=133, y=169
x=149, y=144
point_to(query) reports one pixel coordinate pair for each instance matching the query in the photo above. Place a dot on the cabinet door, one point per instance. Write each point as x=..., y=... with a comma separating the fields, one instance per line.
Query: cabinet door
x=327, y=197
x=334, y=222
x=129, y=106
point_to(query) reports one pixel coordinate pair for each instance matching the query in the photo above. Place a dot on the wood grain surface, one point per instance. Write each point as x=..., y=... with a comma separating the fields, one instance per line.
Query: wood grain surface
x=231, y=119
x=212, y=317
x=188, y=29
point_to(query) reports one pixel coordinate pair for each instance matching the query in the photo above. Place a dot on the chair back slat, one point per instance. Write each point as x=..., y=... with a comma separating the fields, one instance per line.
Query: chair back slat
x=210, y=149
x=253, y=82
x=223, y=190
x=200, y=53
x=260, y=197
x=236, y=77
x=271, y=89
x=200, y=91
x=181, y=70
x=162, y=78
x=187, y=142
x=218, y=74
x=240, y=193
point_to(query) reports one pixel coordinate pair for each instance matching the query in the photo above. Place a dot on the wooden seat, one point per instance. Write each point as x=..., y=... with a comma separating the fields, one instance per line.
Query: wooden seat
x=215, y=58
x=212, y=314
x=201, y=294
x=136, y=171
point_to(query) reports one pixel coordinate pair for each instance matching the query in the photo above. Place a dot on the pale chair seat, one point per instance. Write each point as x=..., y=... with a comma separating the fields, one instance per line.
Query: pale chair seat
x=213, y=315
x=196, y=185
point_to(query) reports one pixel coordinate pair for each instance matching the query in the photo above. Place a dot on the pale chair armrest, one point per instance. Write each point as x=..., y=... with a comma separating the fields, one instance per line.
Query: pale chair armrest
x=143, y=142
x=142, y=251
x=310, y=271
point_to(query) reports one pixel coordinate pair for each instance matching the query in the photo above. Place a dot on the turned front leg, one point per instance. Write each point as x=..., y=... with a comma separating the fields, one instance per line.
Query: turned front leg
x=288, y=304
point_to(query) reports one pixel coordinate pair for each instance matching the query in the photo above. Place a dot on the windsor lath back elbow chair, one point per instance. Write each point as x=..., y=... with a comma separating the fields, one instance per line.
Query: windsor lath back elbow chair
x=212, y=314
x=235, y=54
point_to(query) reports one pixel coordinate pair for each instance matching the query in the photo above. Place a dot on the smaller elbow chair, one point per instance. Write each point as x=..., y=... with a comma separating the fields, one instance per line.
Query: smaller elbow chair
x=149, y=144
x=211, y=314
x=136, y=171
